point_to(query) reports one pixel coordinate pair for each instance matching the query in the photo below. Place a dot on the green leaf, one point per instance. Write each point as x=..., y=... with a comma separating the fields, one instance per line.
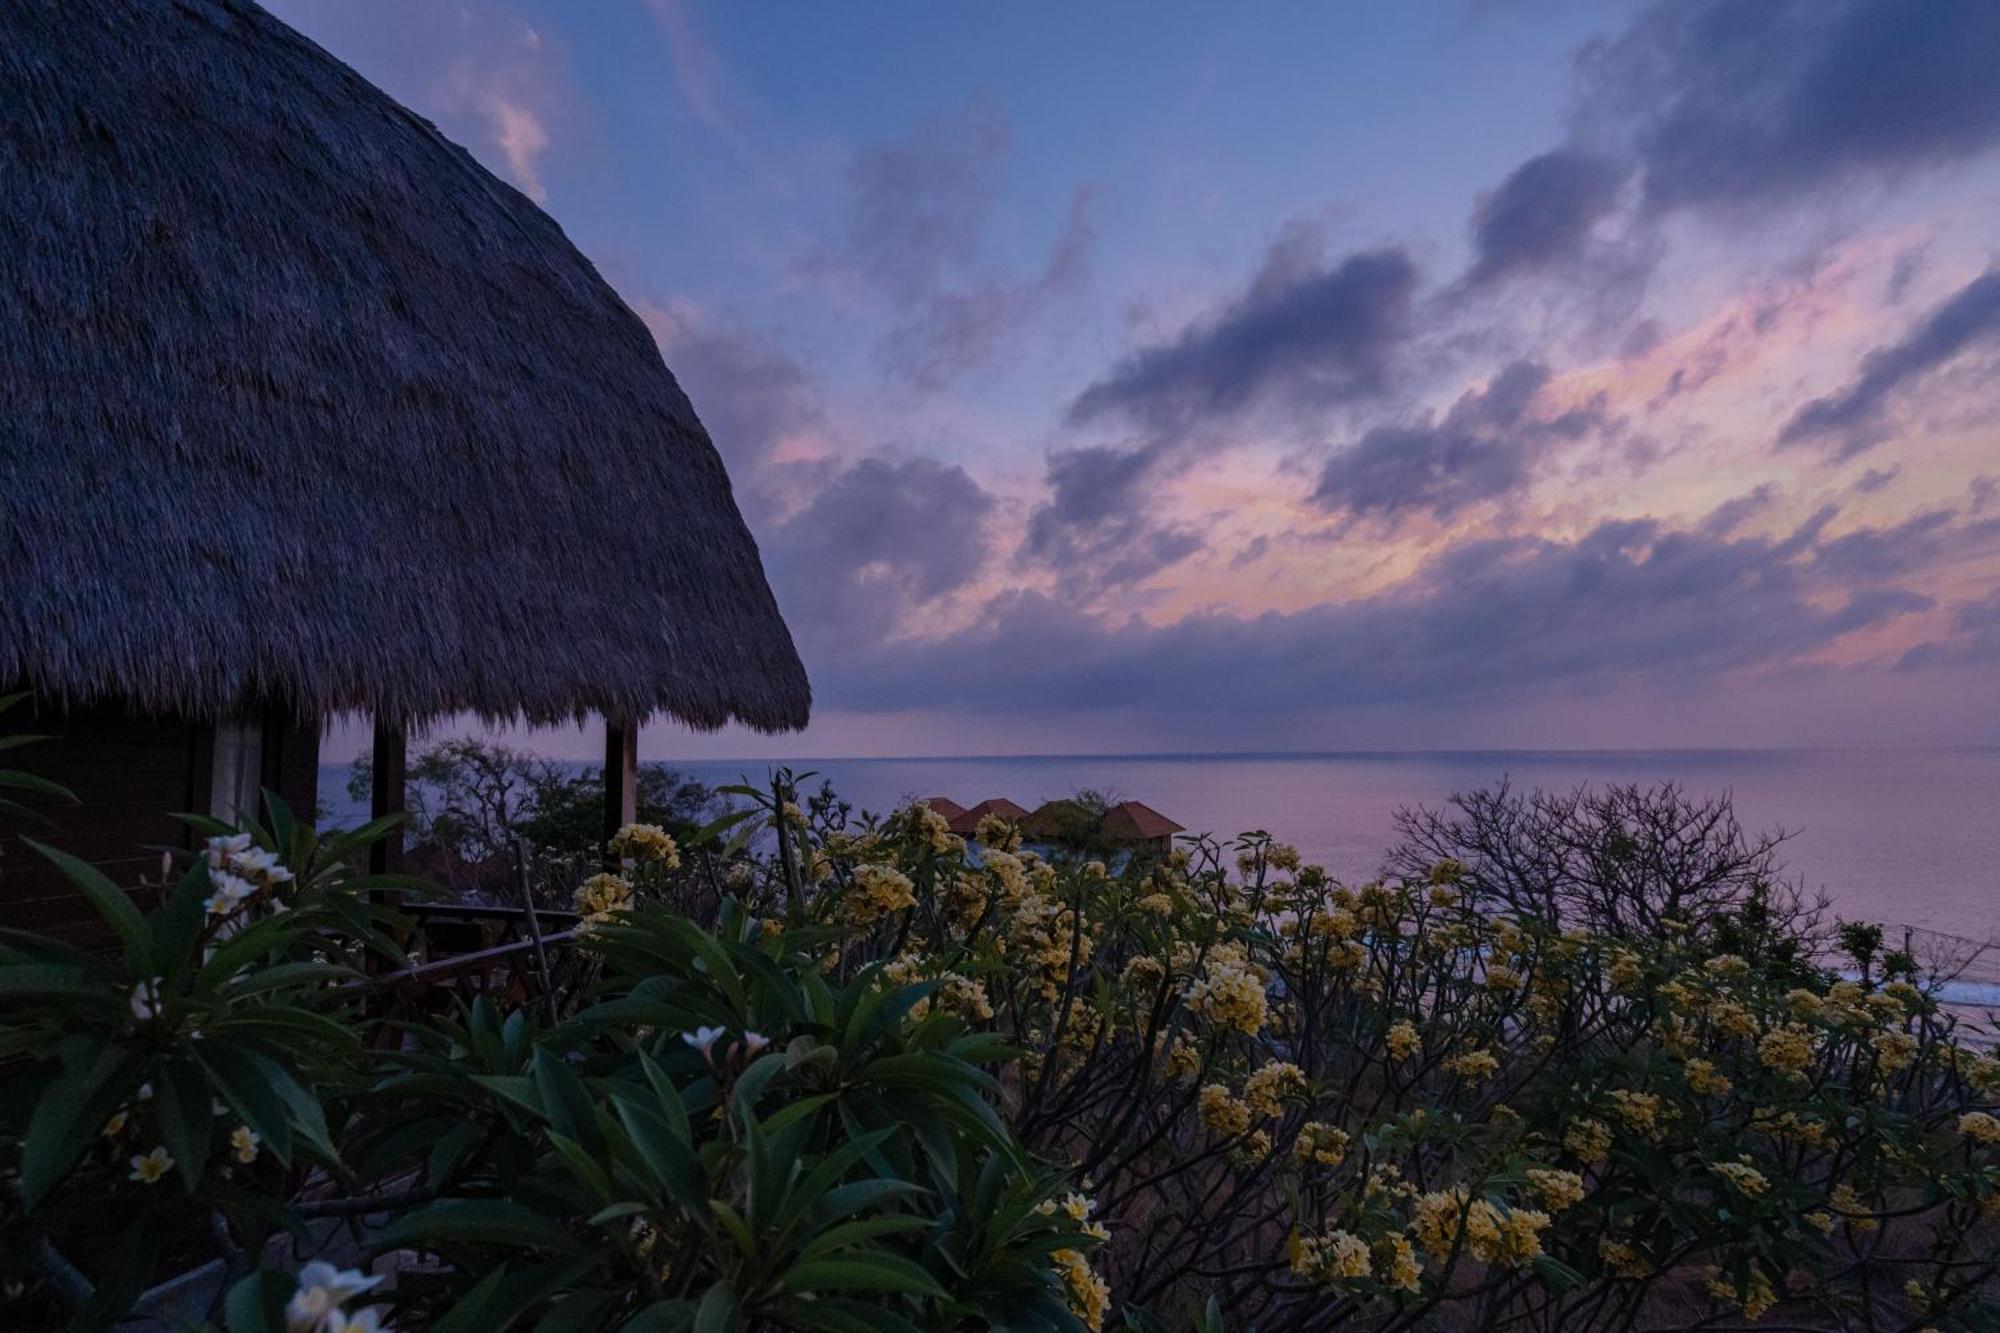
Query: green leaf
x=184, y=1105
x=257, y=1303
x=243, y=1077
x=667, y=1156
x=471, y=1313
x=718, y=1311
x=476, y=1221
x=49, y=981
x=879, y=1271
x=566, y=1101
x=112, y=903
x=71, y=1112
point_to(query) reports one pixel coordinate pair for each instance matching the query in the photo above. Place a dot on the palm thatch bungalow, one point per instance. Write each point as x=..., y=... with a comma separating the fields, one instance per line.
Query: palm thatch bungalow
x=304, y=413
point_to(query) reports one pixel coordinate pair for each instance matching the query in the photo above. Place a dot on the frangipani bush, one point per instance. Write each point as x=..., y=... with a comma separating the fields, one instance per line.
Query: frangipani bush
x=845, y=1073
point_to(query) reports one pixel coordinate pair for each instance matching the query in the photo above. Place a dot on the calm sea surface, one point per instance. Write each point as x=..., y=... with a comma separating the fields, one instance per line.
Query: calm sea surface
x=1903, y=835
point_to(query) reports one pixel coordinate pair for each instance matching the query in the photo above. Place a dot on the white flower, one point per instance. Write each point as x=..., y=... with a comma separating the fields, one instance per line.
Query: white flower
x=362, y=1321
x=146, y=1000
x=315, y=1306
x=151, y=1168
x=754, y=1042
x=702, y=1038
x=222, y=848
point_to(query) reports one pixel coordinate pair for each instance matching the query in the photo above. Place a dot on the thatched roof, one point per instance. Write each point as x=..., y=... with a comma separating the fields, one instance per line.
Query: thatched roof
x=299, y=402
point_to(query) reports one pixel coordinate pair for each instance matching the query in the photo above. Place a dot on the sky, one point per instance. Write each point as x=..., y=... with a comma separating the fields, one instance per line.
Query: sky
x=1187, y=378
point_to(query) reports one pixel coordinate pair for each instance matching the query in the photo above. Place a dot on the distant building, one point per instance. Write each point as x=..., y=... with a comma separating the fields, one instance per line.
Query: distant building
x=1132, y=823
x=945, y=806
x=967, y=821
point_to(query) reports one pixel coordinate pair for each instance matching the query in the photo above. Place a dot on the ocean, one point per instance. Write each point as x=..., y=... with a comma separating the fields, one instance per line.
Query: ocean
x=1903, y=836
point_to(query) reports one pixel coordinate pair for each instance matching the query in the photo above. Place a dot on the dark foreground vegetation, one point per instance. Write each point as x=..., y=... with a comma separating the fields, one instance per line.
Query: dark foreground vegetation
x=1573, y=1065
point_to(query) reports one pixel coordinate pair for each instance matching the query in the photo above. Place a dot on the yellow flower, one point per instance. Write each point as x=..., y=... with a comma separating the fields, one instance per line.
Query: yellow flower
x=1894, y=1050
x=1589, y=1140
x=1639, y=1110
x=1743, y=1176
x=1704, y=1077
x=646, y=842
x=1333, y=1256
x=1403, y=1040
x=1271, y=1084
x=1231, y=995
x=878, y=891
x=602, y=896
x=1755, y=1297
x=1320, y=1144
x=1399, y=1264
x=1558, y=1189
x=1854, y=1210
x=1787, y=1049
x=1089, y=1294
x=1979, y=1125
x=997, y=834
x=1221, y=1113
x=244, y=1140
x=1476, y=1065
x=1622, y=1259
x=150, y=1168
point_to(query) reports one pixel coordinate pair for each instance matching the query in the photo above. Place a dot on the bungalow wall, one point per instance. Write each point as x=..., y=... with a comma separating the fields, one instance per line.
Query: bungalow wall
x=131, y=772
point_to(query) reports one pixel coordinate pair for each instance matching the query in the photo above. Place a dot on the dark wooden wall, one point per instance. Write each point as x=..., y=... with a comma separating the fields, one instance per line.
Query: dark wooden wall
x=131, y=774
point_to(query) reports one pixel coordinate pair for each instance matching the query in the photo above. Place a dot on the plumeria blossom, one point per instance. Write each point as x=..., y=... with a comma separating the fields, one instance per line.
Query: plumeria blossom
x=323, y=1289
x=703, y=1038
x=152, y=1167
x=754, y=1042
x=146, y=1000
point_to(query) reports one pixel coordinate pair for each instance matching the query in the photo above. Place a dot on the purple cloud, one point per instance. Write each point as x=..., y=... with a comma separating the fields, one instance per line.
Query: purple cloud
x=1487, y=447
x=1732, y=106
x=1851, y=417
x=1496, y=619
x=1301, y=332
x=1541, y=216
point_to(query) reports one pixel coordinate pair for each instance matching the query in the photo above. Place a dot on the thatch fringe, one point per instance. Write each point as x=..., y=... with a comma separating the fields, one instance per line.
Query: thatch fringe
x=299, y=402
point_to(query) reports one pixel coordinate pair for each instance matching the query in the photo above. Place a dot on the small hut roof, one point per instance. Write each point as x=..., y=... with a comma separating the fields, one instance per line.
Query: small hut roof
x=968, y=823
x=1132, y=819
x=297, y=401
x=944, y=805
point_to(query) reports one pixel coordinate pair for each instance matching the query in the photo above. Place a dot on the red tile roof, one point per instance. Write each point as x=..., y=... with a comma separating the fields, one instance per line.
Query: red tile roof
x=1134, y=820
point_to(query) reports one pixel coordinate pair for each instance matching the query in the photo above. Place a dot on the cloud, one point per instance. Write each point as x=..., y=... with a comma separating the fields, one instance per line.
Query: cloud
x=751, y=394
x=1851, y=417
x=1094, y=530
x=955, y=331
x=916, y=213
x=1497, y=620
x=1541, y=216
x=1733, y=513
x=486, y=76
x=1302, y=333
x=880, y=540
x=1974, y=638
x=1730, y=106
x=1489, y=446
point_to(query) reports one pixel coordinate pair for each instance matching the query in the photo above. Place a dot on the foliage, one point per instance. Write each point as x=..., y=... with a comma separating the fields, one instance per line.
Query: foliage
x=473, y=798
x=880, y=1078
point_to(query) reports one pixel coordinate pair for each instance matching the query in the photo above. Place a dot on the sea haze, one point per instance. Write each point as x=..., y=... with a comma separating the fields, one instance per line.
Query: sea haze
x=1908, y=836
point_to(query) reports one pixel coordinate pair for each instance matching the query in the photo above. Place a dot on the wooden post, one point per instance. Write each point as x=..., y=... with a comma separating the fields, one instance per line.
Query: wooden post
x=387, y=794
x=621, y=775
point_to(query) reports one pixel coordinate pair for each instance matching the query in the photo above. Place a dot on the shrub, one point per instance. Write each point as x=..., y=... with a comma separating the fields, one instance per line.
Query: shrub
x=887, y=1079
